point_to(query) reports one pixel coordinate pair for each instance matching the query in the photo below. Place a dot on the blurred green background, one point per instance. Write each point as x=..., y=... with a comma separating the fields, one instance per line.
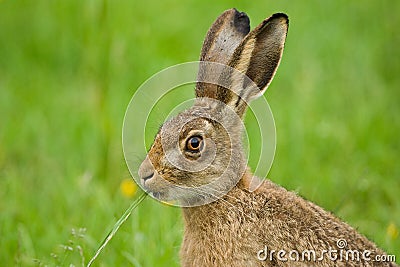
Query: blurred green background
x=69, y=68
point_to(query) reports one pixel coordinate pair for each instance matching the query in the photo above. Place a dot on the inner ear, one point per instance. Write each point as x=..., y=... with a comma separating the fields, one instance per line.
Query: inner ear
x=266, y=55
x=258, y=57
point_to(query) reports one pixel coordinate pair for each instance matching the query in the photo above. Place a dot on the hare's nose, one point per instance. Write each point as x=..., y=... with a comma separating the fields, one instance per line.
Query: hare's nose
x=146, y=170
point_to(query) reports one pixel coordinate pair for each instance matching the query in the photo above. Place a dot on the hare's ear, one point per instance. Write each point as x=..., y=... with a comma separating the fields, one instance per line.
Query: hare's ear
x=223, y=37
x=258, y=57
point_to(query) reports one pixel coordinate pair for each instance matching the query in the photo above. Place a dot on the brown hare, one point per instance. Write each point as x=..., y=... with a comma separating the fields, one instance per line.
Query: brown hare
x=197, y=159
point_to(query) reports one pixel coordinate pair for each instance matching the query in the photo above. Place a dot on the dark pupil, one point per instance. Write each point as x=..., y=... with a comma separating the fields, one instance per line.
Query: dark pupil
x=194, y=143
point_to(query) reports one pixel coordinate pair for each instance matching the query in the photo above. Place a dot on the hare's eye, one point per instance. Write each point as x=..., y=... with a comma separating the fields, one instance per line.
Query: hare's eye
x=194, y=144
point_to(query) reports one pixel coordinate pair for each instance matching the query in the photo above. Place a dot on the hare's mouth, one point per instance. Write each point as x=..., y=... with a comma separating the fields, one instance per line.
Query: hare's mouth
x=165, y=197
x=157, y=195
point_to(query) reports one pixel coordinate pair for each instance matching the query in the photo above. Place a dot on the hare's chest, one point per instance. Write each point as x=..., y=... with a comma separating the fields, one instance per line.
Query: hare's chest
x=228, y=243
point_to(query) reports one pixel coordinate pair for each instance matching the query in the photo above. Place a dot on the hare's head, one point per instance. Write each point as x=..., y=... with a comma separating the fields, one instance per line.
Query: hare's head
x=197, y=156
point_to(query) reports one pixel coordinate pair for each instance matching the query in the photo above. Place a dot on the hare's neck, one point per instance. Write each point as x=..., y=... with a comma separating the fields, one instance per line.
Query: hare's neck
x=218, y=211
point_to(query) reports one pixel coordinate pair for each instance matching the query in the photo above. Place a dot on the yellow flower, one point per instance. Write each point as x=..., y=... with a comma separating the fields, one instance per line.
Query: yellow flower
x=392, y=231
x=128, y=188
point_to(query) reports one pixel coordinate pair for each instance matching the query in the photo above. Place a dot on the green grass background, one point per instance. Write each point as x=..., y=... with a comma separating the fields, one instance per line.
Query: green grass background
x=69, y=68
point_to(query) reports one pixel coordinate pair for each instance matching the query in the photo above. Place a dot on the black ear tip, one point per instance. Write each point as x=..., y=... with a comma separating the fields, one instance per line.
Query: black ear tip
x=241, y=21
x=281, y=16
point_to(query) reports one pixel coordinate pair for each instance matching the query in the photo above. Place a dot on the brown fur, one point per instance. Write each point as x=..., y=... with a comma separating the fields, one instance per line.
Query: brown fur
x=219, y=235
x=226, y=223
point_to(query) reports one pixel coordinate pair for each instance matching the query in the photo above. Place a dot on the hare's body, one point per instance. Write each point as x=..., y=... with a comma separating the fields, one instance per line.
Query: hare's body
x=233, y=230
x=197, y=160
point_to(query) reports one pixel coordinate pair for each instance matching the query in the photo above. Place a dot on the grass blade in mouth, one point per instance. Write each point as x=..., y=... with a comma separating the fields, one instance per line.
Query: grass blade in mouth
x=117, y=225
